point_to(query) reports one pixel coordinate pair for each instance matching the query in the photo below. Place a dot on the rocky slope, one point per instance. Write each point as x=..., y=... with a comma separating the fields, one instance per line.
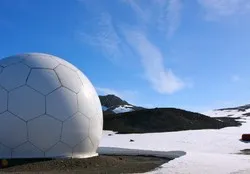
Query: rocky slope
x=141, y=120
x=163, y=120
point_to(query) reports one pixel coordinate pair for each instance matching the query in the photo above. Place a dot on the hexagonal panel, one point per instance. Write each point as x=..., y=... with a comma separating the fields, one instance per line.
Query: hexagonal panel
x=14, y=76
x=88, y=97
x=61, y=104
x=12, y=60
x=11, y=126
x=26, y=103
x=75, y=129
x=87, y=84
x=95, y=131
x=98, y=107
x=44, y=132
x=86, y=103
x=83, y=78
x=69, y=78
x=59, y=150
x=27, y=150
x=5, y=152
x=66, y=63
x=38, y=60
x=83, y=149
x=43, y=80
x=3, y=100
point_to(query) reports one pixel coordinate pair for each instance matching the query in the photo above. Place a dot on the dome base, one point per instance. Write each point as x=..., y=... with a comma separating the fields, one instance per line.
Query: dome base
x=85, y=155
x=75, y=156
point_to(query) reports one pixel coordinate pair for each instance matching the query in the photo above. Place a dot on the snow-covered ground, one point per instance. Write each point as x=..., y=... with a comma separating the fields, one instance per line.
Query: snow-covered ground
x=207, y=151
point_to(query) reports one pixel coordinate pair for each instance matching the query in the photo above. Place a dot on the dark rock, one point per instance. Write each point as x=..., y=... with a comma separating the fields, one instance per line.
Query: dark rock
x=246, y=114
x=163, y=120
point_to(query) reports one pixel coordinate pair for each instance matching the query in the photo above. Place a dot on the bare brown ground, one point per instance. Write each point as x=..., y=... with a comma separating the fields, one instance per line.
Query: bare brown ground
x=97, y=165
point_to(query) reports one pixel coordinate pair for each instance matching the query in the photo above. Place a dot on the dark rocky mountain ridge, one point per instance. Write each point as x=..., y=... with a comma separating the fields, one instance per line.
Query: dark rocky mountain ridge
x=158, y=119
x=112, y=100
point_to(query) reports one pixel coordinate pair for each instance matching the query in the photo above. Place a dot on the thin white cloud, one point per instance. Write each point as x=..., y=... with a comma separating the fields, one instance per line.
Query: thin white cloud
x=109, y=38
x=170, y=16
x=162, y=80
x=106, y=37
x=173, y=16
x=166, y=13
x=138, y=9
x=215, y=9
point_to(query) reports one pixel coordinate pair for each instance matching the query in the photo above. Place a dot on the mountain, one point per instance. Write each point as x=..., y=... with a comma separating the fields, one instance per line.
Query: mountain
x=114, y=104
x=112, y=100
x=163, y=120
x=135, y=119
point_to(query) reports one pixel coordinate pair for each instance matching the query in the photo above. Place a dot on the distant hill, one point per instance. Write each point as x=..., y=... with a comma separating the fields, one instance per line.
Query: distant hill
x=239, y=108
x=135, y=119
x=233, y=112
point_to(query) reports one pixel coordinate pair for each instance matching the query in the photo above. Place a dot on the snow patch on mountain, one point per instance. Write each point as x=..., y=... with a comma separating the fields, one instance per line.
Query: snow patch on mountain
x=234, y=113
x=123, y=109
x=113, y=104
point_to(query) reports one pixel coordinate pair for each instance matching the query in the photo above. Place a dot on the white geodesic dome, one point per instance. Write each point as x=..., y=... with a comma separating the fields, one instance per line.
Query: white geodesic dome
x=48, y=108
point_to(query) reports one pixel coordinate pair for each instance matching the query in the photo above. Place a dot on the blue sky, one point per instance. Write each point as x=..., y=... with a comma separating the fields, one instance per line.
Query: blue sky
x=167, y=53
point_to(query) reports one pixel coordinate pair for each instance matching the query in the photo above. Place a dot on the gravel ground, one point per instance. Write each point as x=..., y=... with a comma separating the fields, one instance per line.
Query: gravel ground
x=101, y=165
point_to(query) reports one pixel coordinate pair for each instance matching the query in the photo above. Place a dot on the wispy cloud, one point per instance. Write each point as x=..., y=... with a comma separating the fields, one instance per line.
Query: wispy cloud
x=215, y=9
x=162, y=80
x=166, y=13
x=106, y=37
x=170, y=16
x=142, y=14
x=109, y=38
